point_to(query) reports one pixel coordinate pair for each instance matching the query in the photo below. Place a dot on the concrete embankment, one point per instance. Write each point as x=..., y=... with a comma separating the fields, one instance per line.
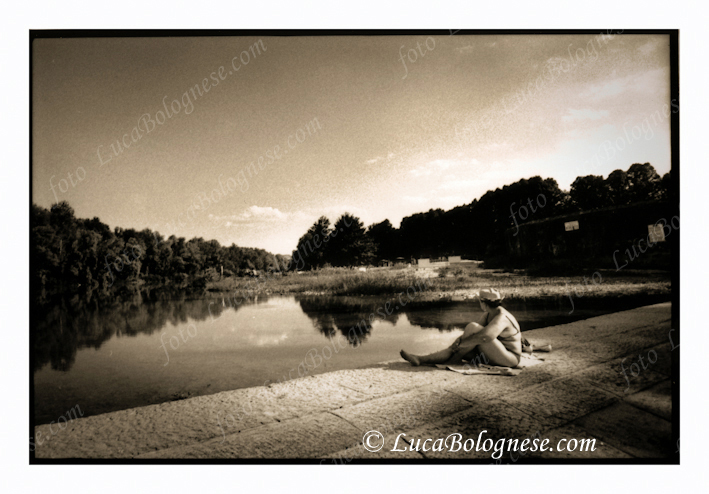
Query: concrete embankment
x=593, y=385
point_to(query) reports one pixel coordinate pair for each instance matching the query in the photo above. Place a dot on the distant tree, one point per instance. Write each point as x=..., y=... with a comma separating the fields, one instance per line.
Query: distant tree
x=84, y=256
x=283, y=262
x=312, y=249
x=62, y=217
x=385, y=238
x=665, y=187
x=618, y=187
x=643, y=182
x=423, y=234
x=590, y=192
x=349, y=244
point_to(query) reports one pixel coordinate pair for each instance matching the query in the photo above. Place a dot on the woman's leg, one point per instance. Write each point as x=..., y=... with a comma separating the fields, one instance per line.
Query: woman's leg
x=471, y=329
x=454, y=353
x=497, y=354
x=430, y=359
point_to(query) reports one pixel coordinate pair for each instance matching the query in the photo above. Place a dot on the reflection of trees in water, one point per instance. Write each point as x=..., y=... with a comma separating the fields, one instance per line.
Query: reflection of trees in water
x=331, y=315
x=348, y=315
x=65, y=326
x=351, y=315
x=441, y=320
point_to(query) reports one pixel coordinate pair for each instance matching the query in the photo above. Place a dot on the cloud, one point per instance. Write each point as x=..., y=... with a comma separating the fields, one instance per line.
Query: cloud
x=646, y=82
x=263, y=213
x=265, y=340
x=609, y=89
x=648, y=48
x=584, y=115
x=254, y=214
x=380, y=158
x=438, y=166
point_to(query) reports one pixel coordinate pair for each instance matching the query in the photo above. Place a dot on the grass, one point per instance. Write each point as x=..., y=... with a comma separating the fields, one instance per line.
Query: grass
x=450, y=282
x=331, y=281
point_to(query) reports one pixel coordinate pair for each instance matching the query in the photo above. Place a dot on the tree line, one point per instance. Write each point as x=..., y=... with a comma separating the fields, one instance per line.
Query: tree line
x=72, y=255
x=475, y=230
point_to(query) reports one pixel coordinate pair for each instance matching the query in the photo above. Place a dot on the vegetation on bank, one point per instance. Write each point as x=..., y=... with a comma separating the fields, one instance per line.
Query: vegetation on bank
x=73, y=256
x=448, y=283
x=475, y=230
x=85, y=257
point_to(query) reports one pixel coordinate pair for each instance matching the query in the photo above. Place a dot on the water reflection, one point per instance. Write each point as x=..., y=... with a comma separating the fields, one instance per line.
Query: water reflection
x=66, y=326
x=150, y=347
x=352, y=317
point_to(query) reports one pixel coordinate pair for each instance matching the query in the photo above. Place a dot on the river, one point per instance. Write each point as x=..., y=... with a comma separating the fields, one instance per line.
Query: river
x=147, y=349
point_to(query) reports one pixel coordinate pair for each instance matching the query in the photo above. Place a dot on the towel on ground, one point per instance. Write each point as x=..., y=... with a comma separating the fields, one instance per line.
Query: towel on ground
x=472, y=369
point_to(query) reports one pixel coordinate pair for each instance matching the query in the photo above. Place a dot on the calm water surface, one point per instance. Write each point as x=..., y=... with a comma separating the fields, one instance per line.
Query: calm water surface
x=142, y=352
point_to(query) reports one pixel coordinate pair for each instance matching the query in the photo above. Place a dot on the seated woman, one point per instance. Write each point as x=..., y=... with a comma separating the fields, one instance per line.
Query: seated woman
x=497, y=336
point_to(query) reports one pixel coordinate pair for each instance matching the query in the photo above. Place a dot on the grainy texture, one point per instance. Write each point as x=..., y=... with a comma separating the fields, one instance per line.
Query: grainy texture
x=578, y=392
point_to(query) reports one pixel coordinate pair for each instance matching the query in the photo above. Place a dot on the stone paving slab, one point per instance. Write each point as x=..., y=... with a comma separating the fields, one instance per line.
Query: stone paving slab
x=486, y=387
x=578, y=388
x=128, y=433
x=657, y=400
x=664, y=358
x=602, y=449
x=380, y=380
x=403, y=411
x=562, y=400
x=313, y=436
x=617, y=377
x=630, y=429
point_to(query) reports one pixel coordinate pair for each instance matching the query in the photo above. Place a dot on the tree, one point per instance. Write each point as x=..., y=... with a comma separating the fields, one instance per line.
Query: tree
x=665, y=188
x=84, y=256
x=384, y=236
x=617, y=183
x=643, y=182
x=349, y=244
x=312, y=249
x=590, y=192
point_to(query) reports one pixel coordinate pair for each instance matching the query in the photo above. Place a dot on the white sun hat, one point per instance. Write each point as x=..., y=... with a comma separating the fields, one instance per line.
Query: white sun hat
x=490, y=294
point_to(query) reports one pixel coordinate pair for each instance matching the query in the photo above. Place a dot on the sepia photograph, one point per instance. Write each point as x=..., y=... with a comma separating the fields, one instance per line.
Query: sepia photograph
x=307, y=247
x=368, y=247
x=355, y=247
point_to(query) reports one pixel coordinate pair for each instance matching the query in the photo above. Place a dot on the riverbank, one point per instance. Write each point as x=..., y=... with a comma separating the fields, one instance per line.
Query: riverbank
x=580, y=391
x=449, y=282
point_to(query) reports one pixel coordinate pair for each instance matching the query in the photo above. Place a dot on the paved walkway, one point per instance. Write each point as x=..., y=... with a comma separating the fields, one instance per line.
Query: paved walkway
x=579, y=392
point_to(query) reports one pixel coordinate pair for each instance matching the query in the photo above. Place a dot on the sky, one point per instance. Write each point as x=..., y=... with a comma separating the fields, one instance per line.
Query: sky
x=378, y=126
